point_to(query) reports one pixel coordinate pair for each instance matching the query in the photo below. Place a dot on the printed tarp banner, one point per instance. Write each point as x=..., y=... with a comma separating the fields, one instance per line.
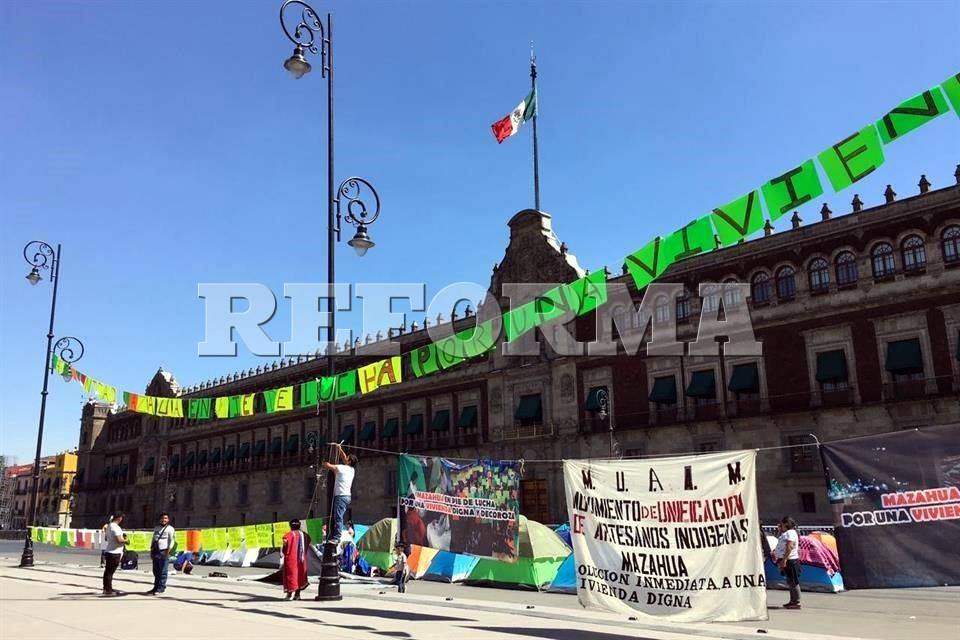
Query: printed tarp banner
x=675, y=538
x=896, y=505
x=463, y=508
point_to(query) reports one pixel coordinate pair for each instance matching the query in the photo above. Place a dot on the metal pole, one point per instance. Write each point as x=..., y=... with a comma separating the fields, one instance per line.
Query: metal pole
x=536, y=154
x=26, y=559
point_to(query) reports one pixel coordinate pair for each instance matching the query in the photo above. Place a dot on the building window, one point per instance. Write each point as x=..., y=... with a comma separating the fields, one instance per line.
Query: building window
x=760, y=288
x=711, y=298
x=882, y=261
x=732, y=297
x=819, y=273
x=808, y=502
x=661, y=310
x=904, y=360
x=534, y=500
x=786, y=283
x=951, y=245
x=683, y=308
x=530, y=410
x=664, y=391
x=847, y=273
x=832, y=370
x=187, y=498
x=801, y=457
x=275, y=495
x=214, y=495
x=913, y=253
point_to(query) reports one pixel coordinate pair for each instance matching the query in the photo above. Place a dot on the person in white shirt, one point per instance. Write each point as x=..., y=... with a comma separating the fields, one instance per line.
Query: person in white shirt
x=787, y=557
x=160, y=548
x=114, y=542
x=401, y=570
x=342, y=485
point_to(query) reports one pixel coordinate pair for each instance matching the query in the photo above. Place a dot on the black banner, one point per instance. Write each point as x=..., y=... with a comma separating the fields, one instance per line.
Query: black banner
x=896, y=504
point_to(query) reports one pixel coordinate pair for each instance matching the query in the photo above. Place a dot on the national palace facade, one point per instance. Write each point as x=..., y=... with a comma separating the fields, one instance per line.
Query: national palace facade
x=858, y=314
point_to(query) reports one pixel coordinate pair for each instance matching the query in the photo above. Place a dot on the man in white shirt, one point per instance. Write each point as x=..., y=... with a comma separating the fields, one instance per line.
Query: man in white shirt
x=114, y=542
x=787, y=557
x=342, y=485
x=160, y=547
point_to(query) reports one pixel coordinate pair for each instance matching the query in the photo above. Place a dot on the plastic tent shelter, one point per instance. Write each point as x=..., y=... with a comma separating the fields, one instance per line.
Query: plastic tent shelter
x=541, y=553
x=814, y=574
x=450, y=567
x=566, y=579
x=376, y=545
x=314, y=561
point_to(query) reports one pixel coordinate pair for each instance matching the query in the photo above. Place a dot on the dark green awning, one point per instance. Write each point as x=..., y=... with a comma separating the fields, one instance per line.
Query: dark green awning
x=191, y=458
x=293, y=443
x=702, y=385
x=347, y=433
x=230, y=454
x=664, y=390
x=468, y=417
x=593, y=399
x=903, y=356
x=276, y=445
x=148, y=466
x=441, y=420
x=215, y=456
x=414, y=424
x=745, y=379
x=832, y=366
x=530, y=408
x=260, y=448
x=369, y=432
x=244, y=451
x=390, y=427
x=175, y=461
x=202, y=458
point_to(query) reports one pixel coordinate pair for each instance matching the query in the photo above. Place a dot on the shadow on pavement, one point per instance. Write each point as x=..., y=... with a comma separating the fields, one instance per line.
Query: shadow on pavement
x=394, y=615
x=559, y=634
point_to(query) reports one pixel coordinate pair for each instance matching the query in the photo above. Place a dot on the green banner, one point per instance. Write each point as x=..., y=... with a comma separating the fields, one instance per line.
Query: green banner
x=853, y=158
x=647, y=264
x=738, y=219
x=314, y=528
x=278, y=399
x=199, y=408
x=951, y=87
x=423, y=360
x=309, y=394
x=792, y=189
x=912, y=114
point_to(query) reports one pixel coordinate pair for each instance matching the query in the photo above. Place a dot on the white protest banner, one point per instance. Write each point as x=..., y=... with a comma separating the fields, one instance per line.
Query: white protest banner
x=675, y=538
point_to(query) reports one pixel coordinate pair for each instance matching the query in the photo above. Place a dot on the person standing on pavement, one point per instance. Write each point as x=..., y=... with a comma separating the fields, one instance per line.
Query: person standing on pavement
x=341, y=490
x=293, y=561
x=113, y=545
x=787, y=557
x=160, y=547
x=402, y=571
x=103, y=541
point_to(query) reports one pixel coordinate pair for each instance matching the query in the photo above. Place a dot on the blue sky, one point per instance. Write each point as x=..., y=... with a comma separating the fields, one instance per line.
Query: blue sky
x=164, y=145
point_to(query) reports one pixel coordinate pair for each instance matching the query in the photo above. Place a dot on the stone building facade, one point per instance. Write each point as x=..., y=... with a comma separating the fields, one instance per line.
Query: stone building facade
x=55, y=498
x=858, y=316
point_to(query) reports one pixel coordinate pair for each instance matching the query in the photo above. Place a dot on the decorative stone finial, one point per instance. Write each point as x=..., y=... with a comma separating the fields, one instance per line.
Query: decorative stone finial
x=563, y=248
x=924, y=184
x=956, y=174
x=825, y=212
x=889, y=194
x=796, y=220
x=414, y=326
x=857, y=203
x=469, y=310
x=767, y=229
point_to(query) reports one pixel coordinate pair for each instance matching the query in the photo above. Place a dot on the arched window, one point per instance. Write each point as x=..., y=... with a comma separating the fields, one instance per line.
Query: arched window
x=951, y=245
x=731, y=295
x=882, y=260
x=819, y=274
x=711, y=298
x=683, y=308
x=913, y=253
x=661, y=310
x=847, y=273
x=786, y=283
x=761, y=288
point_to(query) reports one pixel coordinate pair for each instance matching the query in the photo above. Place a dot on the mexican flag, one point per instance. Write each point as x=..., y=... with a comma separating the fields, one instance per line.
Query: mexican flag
x=503, y=129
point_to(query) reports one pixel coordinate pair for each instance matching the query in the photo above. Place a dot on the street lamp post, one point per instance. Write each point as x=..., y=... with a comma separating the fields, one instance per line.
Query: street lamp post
x=603, y=399
x=42, y=257
x=309, y=36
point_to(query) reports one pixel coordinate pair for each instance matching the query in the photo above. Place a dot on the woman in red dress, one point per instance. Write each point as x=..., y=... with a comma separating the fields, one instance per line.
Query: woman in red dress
x=294, y=560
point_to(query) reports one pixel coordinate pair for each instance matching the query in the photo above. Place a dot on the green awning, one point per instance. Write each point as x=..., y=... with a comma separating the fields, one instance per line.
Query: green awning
x=903, y=356
x=191, y=459
x=202, y=458
x=369, y=432
x=276, y=446
x=293, y=443
x=148, y=466
x=414, y=424
x=391, y=427
x=260, y=448
x=175, y=461
x=832, y=366
x=745, y=379
x=468, y=417
x=230, y=454
x=215, y=456
x=593, y=399
x=347, y=433
x=244, y=451
x=441, y=420
x=664, y=390
x=530, y=408
x=702, y=385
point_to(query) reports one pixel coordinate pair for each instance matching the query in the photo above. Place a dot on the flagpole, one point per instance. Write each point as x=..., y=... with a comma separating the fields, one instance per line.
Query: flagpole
x=536, y=155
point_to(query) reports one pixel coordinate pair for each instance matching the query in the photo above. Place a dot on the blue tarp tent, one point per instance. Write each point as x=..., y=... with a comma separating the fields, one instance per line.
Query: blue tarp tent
x=566, y=578
x=564, y=532
x=450, y=567
x=812, y=578
x=358, y=531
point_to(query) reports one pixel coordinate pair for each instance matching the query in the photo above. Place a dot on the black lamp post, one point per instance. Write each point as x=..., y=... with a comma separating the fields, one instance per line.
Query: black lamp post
x=310, y=37
x=42, y=257
x=603, y=399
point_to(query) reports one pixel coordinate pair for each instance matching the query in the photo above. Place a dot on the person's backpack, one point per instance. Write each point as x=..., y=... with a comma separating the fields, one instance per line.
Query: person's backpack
x=129, y=560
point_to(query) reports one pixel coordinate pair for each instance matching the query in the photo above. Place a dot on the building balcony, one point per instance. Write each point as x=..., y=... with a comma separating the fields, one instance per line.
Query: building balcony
x=905, y=390
x=666, y=414
x=527, y=431
x=836, y=398
x=710, y=410
x=744, y=407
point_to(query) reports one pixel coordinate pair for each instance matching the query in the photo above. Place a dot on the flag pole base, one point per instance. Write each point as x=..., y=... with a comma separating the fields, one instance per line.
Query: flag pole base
x=329, y=583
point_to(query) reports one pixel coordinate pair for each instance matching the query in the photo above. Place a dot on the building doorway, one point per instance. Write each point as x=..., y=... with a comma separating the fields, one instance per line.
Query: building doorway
x=534, y=500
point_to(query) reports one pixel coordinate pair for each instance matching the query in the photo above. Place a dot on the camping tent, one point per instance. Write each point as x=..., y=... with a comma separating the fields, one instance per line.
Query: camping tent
x=450, y=567
x=541, y=553
x=819, y=567
x=376, y=546
x=566, y=579
x=420, y=559
x=313, y=566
